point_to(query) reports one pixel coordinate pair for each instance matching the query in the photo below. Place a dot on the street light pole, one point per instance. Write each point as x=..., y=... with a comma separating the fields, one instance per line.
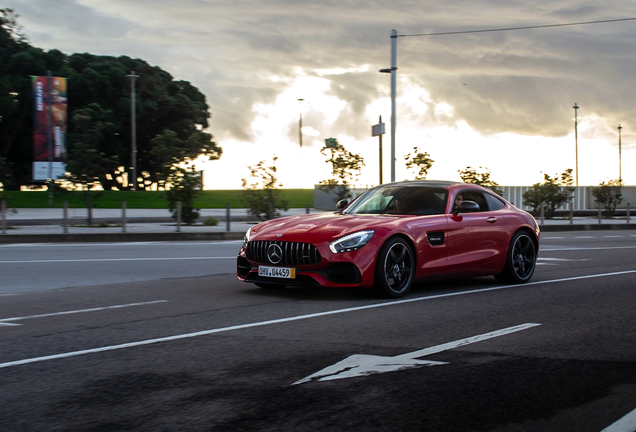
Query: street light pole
x=576, y=140
x=393, y=92
x=620, y=176
x=300, y=139
x=133, y=122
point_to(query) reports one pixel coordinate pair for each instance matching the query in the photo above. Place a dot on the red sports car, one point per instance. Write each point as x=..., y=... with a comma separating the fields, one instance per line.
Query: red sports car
x=393, y=235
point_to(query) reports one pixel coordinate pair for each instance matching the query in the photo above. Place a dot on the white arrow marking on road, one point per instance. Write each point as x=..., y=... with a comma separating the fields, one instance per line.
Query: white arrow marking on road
x=363, y=365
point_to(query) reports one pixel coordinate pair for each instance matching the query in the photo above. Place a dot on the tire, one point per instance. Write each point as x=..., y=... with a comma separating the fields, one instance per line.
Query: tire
x=394, y=269
x=269, y=286
x=521, y=260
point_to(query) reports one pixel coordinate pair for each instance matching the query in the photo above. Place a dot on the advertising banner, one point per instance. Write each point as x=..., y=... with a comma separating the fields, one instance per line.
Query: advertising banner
x=50, y=113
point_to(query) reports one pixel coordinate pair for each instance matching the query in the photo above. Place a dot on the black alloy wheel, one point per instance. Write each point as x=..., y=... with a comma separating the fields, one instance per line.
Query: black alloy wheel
x=521, y=260
x=395, y=268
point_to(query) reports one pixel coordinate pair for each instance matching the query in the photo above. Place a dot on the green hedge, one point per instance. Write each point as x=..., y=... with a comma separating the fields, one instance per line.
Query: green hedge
x=298, y=198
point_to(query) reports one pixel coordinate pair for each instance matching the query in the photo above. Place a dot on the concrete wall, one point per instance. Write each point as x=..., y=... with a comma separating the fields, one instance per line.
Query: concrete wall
x=583, y=198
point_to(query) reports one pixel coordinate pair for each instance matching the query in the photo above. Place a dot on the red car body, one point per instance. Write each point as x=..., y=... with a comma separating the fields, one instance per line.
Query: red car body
x=434, y=241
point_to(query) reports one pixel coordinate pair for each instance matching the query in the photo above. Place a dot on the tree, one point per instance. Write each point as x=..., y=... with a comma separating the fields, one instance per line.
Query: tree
x=185, y=184
x=609, y=196
x=171, y=113
x=85, y=162
x=163, y=104
x=482, y=178
x=345, y=169
x=262, y=190
x=553, y=192
x=421, y=161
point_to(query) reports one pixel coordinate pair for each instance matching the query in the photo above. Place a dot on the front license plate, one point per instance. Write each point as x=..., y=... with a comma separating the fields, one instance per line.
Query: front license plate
x=277, y=272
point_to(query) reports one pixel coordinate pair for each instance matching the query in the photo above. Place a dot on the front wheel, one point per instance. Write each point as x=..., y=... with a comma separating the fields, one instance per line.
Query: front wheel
x=521, y=260
x=394, y=269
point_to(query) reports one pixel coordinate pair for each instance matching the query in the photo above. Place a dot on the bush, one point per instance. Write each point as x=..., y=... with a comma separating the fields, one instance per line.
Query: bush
x=185, y=185
x=263, y=191
x=608, y=196
x=553, y=193
x=210, y=222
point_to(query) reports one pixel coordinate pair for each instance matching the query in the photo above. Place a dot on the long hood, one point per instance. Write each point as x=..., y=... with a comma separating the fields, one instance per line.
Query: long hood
x=323, y=226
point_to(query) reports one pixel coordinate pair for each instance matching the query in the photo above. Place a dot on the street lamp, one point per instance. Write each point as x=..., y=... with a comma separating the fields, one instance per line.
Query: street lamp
x=620, y=177
x=576, y=140
x=300, y=138
x=393, y=72
x=133, y=122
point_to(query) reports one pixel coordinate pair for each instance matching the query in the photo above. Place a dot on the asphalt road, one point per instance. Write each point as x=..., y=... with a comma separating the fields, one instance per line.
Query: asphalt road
x=175, y=343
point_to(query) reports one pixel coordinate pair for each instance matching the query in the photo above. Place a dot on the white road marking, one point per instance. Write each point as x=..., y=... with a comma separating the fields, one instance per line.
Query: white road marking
x=553, y=238
x=626, y=424
x=113, y=260
x=574, y=248
x=614, y=236
x=364, y=365
x=4, y=321
x=560, y=259
x=8, y=324
x=297, y=318
x=585, y=237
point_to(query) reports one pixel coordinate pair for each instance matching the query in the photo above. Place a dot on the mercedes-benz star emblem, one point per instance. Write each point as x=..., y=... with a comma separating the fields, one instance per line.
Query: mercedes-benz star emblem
x=274, y=253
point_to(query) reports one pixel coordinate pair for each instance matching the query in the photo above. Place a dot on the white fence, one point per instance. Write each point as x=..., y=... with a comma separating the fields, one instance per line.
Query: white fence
x=583, y=198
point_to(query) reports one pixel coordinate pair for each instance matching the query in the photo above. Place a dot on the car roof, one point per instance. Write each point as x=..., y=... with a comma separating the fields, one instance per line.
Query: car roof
x=430, y=183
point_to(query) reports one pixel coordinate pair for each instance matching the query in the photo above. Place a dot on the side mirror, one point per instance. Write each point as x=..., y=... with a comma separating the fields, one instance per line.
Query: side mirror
x=342, y=204
x=467, y=207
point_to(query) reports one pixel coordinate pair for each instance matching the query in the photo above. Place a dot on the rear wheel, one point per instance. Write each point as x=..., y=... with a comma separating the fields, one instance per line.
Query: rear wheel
x=394, y=269
x=521, y=260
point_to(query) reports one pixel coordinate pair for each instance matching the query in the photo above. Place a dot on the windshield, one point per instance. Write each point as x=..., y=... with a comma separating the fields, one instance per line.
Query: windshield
x=411, y=200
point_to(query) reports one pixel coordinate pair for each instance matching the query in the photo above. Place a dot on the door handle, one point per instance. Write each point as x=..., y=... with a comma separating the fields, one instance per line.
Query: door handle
x=491, y=220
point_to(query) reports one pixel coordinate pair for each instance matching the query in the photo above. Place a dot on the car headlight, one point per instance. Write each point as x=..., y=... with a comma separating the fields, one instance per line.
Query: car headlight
x=246, y=239
x=351, y=242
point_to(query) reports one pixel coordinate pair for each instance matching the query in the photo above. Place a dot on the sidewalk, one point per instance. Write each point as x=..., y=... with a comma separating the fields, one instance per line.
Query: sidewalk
x=45, y=225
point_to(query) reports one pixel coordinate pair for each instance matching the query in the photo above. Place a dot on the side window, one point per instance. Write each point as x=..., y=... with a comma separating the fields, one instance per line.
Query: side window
x=477, y=197
x=494, y=203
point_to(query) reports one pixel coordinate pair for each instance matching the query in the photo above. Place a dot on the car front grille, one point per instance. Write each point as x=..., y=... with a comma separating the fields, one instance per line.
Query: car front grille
x=292, y=253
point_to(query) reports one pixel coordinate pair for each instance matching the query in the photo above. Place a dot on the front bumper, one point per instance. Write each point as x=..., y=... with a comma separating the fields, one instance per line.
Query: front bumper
x=349, y=269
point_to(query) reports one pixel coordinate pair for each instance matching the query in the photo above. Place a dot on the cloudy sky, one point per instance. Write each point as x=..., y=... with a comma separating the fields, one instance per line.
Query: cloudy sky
x=501, y=100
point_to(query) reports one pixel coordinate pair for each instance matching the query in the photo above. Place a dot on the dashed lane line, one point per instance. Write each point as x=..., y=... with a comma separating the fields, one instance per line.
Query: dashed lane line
x=296, y=318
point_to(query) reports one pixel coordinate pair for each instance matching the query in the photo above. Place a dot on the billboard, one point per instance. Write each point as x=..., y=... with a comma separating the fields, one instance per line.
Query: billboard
x=49, y=122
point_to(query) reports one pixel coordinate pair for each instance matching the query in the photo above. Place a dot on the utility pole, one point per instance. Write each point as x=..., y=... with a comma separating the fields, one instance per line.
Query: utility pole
x=133, y=122
x=620, y=176
x=576, y=140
